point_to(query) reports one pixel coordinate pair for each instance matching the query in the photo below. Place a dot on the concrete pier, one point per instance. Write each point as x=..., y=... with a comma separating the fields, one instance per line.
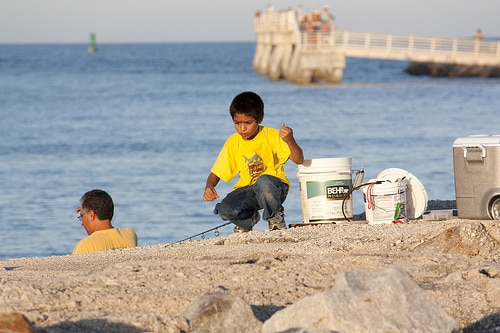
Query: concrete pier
x=315, y=51
x=284, y=52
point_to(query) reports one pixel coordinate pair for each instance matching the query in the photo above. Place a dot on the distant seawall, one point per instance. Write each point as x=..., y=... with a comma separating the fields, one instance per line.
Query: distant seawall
x=452, y=70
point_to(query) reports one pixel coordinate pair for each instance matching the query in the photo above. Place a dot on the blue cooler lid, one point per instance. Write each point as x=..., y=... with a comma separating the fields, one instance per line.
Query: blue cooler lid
x=418, y=193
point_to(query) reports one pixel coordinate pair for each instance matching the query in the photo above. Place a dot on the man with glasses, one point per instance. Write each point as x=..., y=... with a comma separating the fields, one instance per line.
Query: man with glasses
x=95, y=213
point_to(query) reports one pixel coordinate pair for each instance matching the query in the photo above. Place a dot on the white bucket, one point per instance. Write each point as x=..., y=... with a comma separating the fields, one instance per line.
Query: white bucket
x=385, y=201
x=325, y=185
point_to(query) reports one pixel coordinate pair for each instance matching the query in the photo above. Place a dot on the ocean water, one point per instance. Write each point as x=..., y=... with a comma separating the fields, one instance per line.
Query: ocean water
x=146, y=121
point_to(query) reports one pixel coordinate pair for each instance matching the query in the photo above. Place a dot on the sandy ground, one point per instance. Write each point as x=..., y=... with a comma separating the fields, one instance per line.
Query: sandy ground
x=145, y=289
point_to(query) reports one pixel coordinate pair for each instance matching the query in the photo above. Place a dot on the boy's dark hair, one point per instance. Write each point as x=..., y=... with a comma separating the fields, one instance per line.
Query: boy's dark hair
x=100, y=202
x=249, y=104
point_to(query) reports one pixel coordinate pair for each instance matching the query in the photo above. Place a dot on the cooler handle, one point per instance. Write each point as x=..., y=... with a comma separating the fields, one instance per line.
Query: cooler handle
x=473, y=156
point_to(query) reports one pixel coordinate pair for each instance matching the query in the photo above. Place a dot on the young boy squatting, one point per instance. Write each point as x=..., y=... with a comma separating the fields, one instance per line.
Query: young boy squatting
x=258, y=154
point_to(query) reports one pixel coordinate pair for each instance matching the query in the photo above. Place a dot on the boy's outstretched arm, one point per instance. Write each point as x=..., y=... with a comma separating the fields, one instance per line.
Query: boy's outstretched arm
x=296, y=154
x=210, y=193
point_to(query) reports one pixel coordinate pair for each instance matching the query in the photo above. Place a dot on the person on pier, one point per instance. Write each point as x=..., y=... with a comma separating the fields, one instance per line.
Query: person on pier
x=478, y=35
x=327, y=19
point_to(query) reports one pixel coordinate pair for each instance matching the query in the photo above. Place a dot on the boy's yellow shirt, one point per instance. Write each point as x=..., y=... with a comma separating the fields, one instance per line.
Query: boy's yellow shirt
x=265, y=154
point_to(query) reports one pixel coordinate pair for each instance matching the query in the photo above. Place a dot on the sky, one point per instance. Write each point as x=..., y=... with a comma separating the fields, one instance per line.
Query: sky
x=132, y=21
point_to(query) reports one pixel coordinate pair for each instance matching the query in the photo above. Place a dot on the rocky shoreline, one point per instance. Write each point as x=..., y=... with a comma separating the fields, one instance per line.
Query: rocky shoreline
x=262, y=277
x=452, y=70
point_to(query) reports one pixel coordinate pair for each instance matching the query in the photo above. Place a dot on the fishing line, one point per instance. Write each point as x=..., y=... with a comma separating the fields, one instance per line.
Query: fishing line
x=202, y=234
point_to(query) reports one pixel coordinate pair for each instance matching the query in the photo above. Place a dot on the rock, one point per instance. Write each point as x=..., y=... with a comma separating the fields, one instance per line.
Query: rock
x=470, y=240
x=441, y=204
x=219, y=312
x=493, y=294
x=387, y=301
x=15, y=322
x=452, y=70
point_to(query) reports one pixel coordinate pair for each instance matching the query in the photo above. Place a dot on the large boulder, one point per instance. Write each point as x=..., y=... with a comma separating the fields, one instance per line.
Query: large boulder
x=387, y=301
x=219, y=312
x=14, y=322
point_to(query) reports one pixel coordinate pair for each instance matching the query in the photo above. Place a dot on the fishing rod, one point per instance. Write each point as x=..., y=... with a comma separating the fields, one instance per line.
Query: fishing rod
x=202, y=233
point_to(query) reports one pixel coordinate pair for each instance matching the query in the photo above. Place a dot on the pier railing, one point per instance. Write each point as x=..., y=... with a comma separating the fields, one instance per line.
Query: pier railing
x=276, y=22
x=401, y=47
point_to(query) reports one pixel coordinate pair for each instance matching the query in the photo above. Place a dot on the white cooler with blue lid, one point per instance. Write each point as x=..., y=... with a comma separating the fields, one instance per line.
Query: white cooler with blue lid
x=476, y=164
